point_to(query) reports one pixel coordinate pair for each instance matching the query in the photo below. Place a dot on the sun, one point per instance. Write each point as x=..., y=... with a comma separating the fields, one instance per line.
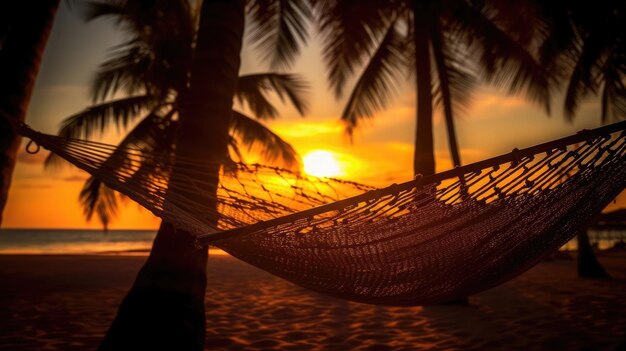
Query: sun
x=320, y=163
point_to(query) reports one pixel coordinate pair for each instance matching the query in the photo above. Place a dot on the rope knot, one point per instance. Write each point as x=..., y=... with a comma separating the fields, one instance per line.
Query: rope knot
x=29, y=148
x=515, y=156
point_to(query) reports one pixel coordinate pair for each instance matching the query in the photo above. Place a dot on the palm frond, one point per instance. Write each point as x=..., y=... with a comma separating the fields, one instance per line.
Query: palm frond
x=279, y=27
x=520, y=19
x=154, y=134
x=377, y=82
x=455, y=78
x=577, y=89
x=252, y=90
x=503, y=61
x=97, y=9
x=255, y=135
x=96, y=198
x=234, y=152
x=140, y=16
x=96, y=119
x=146, y=134
x=584, y=47
x=587, y=73
x=252, y=93
x=158, y=54
x=614, y=92
x=351, y=31
x=155, y=137
x=127, y=68
x=558, y=40
x=615, y=103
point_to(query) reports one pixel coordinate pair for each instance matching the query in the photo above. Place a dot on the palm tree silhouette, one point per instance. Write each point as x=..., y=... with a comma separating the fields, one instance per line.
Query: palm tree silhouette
x=155, y=131
x=465, y=40
x=180, y=70
x=24, y=31
x=584, y=49
x=151, y=69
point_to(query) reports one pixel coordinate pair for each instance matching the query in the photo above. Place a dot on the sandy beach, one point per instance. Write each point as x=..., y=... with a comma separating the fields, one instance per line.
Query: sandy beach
x=67, y=303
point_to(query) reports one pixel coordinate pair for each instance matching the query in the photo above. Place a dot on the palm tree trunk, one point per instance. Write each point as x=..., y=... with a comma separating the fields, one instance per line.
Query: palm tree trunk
x=424, y=154
x=165, y=307
x=446, y=98
x=424, y=161
x=588, y=265
x=444, y=85
x=25, y=30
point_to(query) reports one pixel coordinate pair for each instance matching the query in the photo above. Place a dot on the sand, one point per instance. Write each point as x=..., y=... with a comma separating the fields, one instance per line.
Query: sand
x=67, y=303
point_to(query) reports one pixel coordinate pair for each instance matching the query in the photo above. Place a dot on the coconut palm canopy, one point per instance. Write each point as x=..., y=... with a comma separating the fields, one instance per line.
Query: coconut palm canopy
x=150, y=70
x=585, y=51
x=386, y=41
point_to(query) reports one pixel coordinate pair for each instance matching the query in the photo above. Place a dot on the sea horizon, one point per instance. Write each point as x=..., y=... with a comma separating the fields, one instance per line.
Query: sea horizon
x=55, y=241
x=78, y=229
x=138, y=242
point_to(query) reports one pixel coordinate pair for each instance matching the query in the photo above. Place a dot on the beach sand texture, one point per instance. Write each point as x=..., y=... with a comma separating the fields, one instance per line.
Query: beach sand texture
x=67, y=303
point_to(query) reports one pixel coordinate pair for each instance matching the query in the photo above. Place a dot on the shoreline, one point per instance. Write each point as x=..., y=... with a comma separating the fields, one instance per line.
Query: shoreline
x=130, y=253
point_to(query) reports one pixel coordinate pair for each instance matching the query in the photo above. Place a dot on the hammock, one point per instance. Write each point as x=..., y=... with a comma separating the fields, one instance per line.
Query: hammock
x=425, y=241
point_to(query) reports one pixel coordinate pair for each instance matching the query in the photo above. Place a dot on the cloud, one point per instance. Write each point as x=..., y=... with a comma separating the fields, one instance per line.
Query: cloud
x=75, y=178
x=483, y=101
x=307, y=129
x=398, y=146
x=33, y=186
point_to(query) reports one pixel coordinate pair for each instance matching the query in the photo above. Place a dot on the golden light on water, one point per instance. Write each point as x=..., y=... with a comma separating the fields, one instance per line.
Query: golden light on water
x=321, y=163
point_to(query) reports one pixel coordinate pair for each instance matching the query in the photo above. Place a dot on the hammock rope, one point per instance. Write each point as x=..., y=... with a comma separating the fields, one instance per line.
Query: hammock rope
x=429, y=240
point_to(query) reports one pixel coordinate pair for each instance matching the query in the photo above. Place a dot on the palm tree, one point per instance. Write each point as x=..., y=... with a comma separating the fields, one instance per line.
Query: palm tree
x=157, y=102
x=194, y=76
x=584, y=49
x=155, y=132
x=24, y=31
x=446, y=46
x=391, y=40
x=157, y=127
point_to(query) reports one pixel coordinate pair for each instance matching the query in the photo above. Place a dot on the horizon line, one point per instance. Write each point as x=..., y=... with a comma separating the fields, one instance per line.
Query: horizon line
x=76, y=229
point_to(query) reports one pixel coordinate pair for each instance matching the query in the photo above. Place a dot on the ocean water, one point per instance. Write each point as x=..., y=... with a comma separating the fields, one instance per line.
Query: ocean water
x=70, y=241
x=139, y=242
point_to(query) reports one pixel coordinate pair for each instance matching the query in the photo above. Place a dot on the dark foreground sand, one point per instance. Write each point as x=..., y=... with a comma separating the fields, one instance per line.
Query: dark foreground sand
x=67, y=302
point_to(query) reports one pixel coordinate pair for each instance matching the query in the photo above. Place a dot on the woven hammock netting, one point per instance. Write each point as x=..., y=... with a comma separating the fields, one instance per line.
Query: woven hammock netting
x=429, y=240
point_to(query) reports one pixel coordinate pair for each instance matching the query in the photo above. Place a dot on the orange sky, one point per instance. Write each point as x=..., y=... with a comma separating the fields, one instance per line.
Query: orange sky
x=381, y=152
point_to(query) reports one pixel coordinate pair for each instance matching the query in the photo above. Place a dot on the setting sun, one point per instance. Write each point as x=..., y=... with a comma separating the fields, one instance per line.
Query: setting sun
x=322, y=163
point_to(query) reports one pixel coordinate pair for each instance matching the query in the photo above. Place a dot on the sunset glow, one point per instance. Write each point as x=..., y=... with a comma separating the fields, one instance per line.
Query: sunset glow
x=320, y=163
x=380, y=152
x=344, y=175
